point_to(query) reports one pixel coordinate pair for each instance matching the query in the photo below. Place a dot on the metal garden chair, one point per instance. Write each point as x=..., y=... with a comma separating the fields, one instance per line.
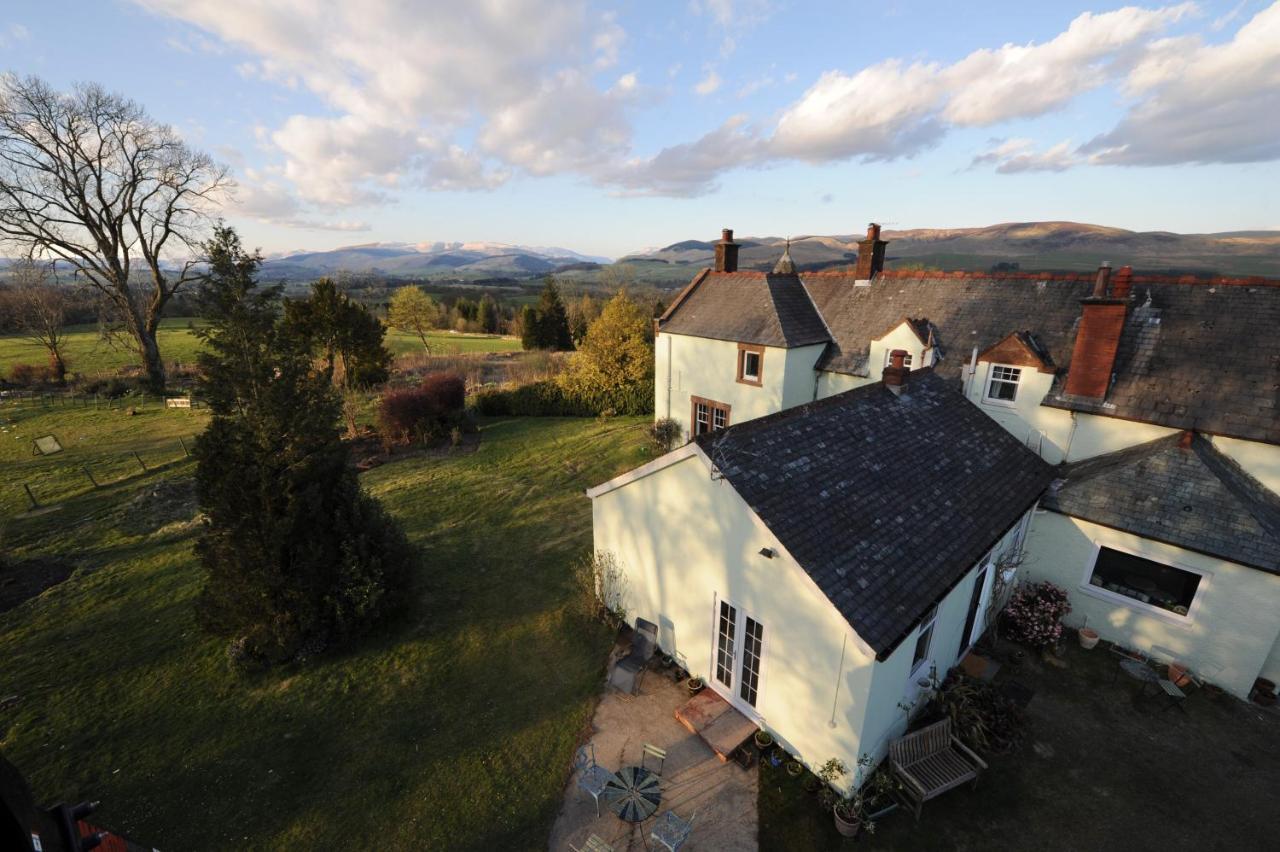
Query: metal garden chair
x=628, y=672
x=592, y=777
x=658, y=754
x=671, y=831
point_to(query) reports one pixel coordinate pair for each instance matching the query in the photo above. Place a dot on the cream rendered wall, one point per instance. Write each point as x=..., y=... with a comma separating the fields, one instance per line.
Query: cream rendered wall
x=900, y=337
x=1235, y=618
x=685, y=541
x=1261, y=460
x=688, y=366
x=830, y=384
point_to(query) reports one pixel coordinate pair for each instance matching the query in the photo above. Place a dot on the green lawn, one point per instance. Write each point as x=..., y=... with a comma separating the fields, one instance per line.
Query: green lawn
x=88, y=354
x=451, y=728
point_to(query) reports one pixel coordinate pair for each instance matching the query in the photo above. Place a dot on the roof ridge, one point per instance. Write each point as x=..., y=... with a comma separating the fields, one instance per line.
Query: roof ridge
x=1144, y=278
x=1260, y=501
x=1094, y=465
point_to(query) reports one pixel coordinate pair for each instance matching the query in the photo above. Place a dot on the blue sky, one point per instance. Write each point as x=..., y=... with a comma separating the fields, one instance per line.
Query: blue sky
x=610, y=127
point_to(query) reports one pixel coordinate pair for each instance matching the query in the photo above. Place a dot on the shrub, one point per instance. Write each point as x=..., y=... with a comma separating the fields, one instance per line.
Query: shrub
x=551, y=399
x=1034, y=614
x=112, y=388
x=27, y=375
x=665, y=434
x=424, y=412
x=601, y=587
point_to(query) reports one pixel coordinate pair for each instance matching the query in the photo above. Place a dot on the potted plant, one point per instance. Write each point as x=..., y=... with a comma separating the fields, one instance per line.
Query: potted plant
x=764, y=739
x=794, y=768
x=849, y=815
x=1087, y=635
x=1177, y=674
x=695, y=685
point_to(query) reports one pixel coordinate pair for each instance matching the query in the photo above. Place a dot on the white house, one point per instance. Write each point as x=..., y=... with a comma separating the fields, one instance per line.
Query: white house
x=1077, y=368
x=815, y=564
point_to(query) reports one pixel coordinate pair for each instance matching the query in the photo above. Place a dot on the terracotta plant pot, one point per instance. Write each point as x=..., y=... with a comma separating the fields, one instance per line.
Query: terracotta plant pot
x=847, y=828
x=794, y=768
x=1088, y=638
x=1177, y=674
x=695, y=685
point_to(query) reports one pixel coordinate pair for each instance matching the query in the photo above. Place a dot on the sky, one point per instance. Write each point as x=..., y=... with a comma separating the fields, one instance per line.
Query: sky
x=611, y=127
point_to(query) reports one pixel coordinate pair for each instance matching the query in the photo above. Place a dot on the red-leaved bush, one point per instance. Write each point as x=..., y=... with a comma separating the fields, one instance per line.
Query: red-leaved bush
x=1034, y=614
x=421, y=412
x=27, y=375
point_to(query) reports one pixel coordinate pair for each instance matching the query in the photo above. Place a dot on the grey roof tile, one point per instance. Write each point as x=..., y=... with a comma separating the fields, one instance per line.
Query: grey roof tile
x=748, y=307
x=1197, y=498
x=885, y=501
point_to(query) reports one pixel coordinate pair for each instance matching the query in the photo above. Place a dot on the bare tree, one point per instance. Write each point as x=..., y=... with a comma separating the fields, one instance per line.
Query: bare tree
x=40, y=311
x=89, y=179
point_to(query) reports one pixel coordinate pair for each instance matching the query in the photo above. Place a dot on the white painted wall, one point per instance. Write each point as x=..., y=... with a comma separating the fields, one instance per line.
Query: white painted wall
x=1262, y=461
x=684, y=541
x=1234, y=622
x=698, y=366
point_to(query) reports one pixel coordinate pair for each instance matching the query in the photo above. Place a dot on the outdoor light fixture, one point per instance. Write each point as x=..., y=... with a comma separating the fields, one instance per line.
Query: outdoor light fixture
x=766, y=552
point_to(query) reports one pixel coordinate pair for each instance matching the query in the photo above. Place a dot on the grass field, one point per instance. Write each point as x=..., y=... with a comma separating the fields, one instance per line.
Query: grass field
x=88, y=354
x=451, y=728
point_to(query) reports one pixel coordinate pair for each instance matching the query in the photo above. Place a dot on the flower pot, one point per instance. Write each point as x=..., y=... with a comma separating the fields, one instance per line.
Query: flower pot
x=695, y=685
x=794, y=768
x=763, y=740
x=1088, y=638
x=1265, y=699
x=1177, y=674
x=847, y=828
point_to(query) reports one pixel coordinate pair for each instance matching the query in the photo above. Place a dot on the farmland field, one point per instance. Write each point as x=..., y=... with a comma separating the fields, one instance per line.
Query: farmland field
x=452, y=727
x=87, y=353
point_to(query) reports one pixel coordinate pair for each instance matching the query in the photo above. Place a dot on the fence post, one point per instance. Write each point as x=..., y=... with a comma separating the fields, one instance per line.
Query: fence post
x=30, y=496
x=85, y=468
x=139, y=459
x=185, y=451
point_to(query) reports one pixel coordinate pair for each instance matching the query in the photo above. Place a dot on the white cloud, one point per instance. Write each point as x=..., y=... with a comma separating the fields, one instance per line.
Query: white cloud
x=709, y=83
x=1200, y=103
x=688, y=169
x=12, y=34
x=257, y=196
x=1012, y=156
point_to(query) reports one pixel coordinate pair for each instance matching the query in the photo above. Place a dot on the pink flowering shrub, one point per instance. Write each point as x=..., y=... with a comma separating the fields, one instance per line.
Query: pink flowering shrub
x=1034, y=614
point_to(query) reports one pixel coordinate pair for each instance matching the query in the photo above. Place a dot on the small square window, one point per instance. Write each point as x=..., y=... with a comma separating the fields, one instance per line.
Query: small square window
x=751, y=365
x=1002, y=387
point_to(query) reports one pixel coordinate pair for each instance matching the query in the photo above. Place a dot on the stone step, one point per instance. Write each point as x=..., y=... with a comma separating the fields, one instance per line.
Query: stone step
x=713, y=719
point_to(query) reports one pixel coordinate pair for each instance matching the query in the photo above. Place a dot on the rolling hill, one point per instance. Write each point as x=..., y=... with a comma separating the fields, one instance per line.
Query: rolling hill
x=1030, y=245
x=427, y=260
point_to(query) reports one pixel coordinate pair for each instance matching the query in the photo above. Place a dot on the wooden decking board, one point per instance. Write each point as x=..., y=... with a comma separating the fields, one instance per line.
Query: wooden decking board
x=719, y=725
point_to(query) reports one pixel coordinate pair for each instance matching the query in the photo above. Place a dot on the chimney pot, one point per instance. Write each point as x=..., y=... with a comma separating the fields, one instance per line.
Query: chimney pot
x=726, y=252
x=1103, y=280
x=1184, y=440
x=1121, y=284
x=898, y=358
x=896, y=373
x=873, y=231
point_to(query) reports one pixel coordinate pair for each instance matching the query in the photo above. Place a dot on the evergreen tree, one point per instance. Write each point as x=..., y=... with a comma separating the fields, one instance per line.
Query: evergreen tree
x=529, y=327
x=553, y=320
x=296, y=556
x=487, y=314
x=343, y=333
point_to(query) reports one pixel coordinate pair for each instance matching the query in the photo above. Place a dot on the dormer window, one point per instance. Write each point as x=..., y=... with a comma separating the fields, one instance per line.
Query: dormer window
x=750, y=364
x=888, y=359
x=1002, y=386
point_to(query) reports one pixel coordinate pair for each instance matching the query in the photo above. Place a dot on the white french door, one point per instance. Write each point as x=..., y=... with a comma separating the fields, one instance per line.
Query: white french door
x=738, y=659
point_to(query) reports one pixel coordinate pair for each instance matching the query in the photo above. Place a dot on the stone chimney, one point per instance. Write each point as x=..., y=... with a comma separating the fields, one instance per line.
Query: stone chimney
x=1097, y=338
x=870, y=254
x=726, y=252
x=896, y=373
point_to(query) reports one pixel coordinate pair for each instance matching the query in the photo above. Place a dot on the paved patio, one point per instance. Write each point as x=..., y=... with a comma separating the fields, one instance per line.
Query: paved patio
x=694, y=778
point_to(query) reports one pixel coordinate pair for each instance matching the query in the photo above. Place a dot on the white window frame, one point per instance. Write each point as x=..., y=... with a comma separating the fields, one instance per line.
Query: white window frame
x=1183, y=621
x=731, y=693
x=926, y=624
x=988, y=399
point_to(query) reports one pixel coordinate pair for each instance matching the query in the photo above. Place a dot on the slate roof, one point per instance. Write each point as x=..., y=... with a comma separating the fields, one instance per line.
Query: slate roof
x=749, y=307
x=1194, y=354
x=1198, y=498
x=886, y=501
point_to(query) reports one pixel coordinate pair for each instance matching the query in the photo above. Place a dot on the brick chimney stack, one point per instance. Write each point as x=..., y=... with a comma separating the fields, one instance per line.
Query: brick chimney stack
x=1102, y=315
x=894, y=374
x=870, y=254
x=726, y=252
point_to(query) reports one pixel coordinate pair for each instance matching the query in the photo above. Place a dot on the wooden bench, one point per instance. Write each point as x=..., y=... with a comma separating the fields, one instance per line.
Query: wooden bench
x=932, y=761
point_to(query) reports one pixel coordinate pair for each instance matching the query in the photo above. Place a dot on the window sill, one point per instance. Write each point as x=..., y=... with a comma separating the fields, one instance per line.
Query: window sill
x=755, y=383
x=999, y=403
x=1186, y=622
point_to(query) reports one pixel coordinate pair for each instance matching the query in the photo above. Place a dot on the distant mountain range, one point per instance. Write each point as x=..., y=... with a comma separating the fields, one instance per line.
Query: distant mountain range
x=429, y=260
x=1031, y=245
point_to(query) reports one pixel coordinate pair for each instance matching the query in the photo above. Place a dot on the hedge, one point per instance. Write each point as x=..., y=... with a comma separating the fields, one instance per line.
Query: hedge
x=549, y=399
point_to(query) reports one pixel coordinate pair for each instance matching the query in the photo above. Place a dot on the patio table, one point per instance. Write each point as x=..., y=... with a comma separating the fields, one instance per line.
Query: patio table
x=1141, y=672
x=633, y=793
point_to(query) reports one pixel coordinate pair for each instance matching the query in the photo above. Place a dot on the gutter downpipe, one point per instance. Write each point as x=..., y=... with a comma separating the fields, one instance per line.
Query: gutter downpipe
x=668, y=377
x=973, y=369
